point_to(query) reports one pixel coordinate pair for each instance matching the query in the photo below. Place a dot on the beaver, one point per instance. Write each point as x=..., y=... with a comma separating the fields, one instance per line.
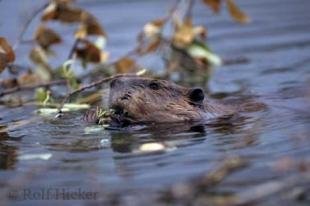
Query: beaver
x=139, y=100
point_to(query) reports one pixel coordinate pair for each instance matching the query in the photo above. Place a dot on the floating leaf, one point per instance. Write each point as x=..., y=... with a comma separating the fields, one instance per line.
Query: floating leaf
x=215, y=5
x=236, y=12
x=93, y=129
x=152, y=147
x=50, y=111
x=7, y=54
x=73, y=107
x=63, y=12
x=125, y=65
x=42, y=156
x=45, y=37
x=66, y=108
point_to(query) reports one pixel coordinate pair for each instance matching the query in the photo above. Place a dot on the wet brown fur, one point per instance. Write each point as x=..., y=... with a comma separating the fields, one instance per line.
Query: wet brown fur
x=146, y=100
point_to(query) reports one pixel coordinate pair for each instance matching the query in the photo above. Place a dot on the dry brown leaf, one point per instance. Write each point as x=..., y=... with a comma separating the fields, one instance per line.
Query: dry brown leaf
x=149, y=38
x=28, y=78
x=88, y=52
x=149, y=47
x=153, y=46
x=153, y=28
x=6, y=48
x=236, y=13
x=63, y=12
x=7, y=54
x=8, y=83
x=45, y=37
x=3, y=61
x=38, y=56
x=201, y=32
x=125, y=65
x=183, y=35
x=91, y=25
x=215, y=5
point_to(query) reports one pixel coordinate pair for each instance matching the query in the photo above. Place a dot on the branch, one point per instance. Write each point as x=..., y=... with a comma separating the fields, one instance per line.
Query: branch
x=189, y=10
x=75, y=44
x=94, y=84
x=30, y=87
x=27, y=24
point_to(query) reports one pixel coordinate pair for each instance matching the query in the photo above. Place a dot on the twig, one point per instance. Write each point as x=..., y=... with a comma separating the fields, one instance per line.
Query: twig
x=75, y=44
x=94, y=84
x=189, y=11
x=173, y=8
x=30, y=87
x=27, y=24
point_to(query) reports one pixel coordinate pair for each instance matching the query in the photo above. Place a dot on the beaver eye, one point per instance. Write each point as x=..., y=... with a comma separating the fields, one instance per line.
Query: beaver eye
x=196, y=95
x=154, y=85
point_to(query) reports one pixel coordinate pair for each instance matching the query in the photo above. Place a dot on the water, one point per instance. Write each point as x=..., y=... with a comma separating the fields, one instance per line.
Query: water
x=276, y=45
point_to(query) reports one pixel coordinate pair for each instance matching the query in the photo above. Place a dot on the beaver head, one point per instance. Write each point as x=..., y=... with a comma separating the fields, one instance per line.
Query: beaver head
x=145, y=100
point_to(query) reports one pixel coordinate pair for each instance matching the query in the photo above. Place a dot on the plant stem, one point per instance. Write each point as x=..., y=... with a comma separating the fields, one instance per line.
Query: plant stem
x=27, y=24
x=94, y=84
x=30, y=87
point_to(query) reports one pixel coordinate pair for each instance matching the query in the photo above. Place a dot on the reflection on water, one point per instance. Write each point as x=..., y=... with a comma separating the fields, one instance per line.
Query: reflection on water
x=8, y=153
x=122, y=165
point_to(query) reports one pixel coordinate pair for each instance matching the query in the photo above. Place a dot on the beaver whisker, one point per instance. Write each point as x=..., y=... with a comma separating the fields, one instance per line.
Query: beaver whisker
x=137, y=86
x=122, y=119
x=126, y=97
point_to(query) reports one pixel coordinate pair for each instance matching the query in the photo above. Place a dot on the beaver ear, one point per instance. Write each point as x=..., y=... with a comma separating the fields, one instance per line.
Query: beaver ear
x=196, y=95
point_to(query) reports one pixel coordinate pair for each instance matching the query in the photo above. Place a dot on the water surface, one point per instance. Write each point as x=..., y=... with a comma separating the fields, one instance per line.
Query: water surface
x=277, y=72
